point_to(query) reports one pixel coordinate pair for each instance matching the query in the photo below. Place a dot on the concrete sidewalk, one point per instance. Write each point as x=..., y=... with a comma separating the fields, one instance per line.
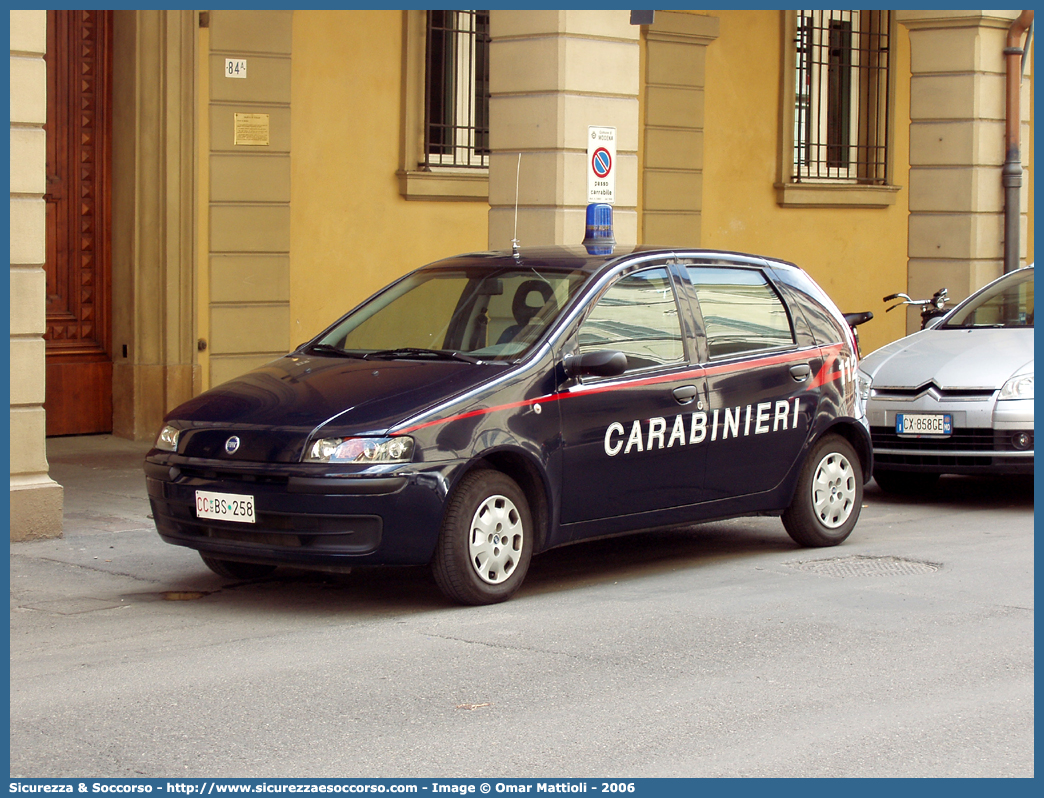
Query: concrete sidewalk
x=109, y=544
x=104, y=483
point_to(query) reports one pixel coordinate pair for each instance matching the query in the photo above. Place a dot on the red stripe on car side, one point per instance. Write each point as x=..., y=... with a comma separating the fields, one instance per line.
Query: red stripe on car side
x=826, y=373
x=700, y=371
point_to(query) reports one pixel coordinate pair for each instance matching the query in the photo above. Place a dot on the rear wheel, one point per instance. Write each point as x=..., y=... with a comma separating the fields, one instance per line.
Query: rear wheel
x=829, y=495
x=237, y=570
x=486, y=541
x=904, y=482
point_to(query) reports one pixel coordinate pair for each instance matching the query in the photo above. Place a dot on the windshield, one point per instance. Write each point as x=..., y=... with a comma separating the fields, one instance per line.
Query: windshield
x=468, y=313
x=1007, y=303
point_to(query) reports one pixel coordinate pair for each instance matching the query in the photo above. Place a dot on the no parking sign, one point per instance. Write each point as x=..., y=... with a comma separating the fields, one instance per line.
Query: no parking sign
x=601, y=165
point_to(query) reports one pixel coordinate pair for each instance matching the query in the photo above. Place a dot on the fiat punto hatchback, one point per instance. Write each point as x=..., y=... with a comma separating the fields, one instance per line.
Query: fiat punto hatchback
x=492, y=406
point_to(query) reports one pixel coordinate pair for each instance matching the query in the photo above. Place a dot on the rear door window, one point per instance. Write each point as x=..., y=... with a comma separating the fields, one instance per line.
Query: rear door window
x=741, y=311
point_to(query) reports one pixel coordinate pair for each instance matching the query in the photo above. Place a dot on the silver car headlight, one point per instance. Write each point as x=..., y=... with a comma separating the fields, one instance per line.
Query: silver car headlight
x=1018, y=387
x=168, y=439
x=398, y=449
x=864, y=382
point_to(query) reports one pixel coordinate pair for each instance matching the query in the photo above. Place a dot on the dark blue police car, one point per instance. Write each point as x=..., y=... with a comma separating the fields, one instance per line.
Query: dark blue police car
x=494, y=405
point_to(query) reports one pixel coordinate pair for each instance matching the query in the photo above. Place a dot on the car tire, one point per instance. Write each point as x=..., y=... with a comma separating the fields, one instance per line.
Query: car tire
x=486, y=540
x=904, y=482
x=829, y=495
x=232, y=569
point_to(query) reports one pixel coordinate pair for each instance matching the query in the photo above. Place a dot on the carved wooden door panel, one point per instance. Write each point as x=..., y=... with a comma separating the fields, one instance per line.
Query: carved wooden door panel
x=79, y=132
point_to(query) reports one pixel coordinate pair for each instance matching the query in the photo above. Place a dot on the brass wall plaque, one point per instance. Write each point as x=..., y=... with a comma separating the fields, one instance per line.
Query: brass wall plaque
x=251, y=130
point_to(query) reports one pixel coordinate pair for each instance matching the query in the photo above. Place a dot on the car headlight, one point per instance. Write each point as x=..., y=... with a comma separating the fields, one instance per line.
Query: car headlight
x=863, y=384
x=361, y=450
x=168, y=439
x=1018, y=387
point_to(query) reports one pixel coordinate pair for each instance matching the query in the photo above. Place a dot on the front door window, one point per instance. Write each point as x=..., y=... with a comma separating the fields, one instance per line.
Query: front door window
x=639, y=317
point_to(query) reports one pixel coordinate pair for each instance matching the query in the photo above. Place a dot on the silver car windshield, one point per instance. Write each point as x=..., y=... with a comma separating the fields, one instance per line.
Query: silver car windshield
x=1006, y=303
x=465, y=313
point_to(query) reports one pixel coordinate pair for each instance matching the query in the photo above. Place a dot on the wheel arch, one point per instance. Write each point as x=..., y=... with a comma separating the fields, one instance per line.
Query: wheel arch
x=531, y=479
x=853, y=432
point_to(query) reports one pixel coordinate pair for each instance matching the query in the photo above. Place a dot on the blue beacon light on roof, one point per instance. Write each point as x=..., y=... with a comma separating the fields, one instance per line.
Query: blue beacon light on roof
x=598, y=236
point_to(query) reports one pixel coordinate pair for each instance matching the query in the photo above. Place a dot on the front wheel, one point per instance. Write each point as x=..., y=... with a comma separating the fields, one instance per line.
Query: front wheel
x=829, y=495
x=486, y=541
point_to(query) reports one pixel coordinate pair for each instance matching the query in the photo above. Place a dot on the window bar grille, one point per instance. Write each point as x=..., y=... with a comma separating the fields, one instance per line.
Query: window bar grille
x=456, y=90
x=841, y=96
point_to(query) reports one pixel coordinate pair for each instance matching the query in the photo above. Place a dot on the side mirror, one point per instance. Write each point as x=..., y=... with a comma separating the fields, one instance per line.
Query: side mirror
x=603, y=363
x=934, y=321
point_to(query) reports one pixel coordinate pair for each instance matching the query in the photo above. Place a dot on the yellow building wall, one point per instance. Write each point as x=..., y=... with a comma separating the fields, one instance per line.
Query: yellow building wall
x=1028, y=144
x=351, y=230
x=857, y=255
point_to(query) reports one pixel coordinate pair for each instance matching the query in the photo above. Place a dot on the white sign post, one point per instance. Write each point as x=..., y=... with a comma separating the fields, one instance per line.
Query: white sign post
x=601, y=165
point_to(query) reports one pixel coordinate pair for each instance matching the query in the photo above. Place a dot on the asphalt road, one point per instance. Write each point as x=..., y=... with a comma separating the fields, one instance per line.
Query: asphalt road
x=717, y=650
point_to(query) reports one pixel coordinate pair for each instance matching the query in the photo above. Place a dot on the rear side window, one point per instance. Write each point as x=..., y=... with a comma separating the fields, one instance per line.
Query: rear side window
x=741, y=312
x=639, y=317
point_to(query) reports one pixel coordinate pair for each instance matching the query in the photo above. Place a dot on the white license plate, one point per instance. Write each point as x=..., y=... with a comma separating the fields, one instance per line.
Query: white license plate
x=936, y=424
x=225, y=506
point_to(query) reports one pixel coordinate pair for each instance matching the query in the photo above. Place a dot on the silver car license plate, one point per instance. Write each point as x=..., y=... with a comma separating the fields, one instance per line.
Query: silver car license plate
x=934, y=424
x=225, y=506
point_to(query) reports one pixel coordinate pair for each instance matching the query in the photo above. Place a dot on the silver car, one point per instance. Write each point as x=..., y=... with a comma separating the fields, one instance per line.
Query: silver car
x=956, y=398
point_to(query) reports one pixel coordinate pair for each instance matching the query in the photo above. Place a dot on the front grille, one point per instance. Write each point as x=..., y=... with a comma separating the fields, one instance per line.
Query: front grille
x=211, y=475
x=265, y=445
x=954, y=394
x=962, y=439
x=347, y=534
x=959, y=450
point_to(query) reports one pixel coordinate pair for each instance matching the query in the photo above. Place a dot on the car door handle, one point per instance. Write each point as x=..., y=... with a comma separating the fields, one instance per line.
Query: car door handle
x=801, y=372
x=685, y=394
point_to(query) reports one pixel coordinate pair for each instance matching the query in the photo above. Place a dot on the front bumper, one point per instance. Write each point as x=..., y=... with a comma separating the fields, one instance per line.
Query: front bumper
x=989, y=437
x=302, y=516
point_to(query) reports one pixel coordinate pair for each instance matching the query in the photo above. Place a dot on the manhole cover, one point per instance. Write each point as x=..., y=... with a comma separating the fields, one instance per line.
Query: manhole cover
x=861, y=565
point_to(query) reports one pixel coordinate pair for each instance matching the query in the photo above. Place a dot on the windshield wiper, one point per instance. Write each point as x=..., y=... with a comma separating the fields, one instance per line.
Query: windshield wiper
x=417, y=352
x=330, y=349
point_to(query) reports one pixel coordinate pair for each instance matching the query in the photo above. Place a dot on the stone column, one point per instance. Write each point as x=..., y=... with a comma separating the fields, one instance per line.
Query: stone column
x=152, y=229
x=675, y=76
x=956, y=233
x=552, y=74
x=36, y=499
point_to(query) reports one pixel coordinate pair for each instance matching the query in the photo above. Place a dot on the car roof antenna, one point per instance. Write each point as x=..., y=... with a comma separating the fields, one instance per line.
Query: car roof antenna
x=514, y=239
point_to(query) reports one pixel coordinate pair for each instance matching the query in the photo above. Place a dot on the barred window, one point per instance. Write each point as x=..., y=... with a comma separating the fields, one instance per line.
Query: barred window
x=456, y=89
x=842, y=97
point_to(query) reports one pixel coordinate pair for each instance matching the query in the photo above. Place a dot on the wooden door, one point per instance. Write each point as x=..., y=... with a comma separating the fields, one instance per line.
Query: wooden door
x=79, y=134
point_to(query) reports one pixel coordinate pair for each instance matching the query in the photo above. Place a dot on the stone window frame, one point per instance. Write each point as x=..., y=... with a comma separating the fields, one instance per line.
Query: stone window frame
x=416, y=183
x=823, y=193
